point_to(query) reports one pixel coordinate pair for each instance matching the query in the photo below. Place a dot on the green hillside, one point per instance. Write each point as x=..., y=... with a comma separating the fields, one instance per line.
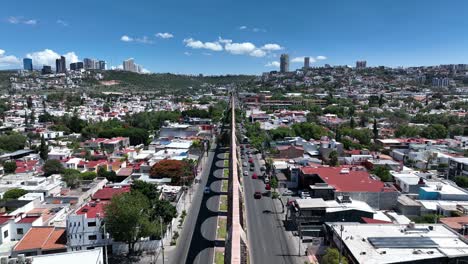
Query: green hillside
x=5, y=79
x=167, y=81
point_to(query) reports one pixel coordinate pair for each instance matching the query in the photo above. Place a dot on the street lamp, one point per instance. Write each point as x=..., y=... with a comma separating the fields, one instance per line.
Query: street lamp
x=341, y=243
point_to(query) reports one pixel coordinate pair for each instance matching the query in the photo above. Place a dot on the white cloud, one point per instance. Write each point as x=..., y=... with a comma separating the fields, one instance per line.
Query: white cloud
x=145, y=70
x=8, y=60
x=207, y=54
x=21, y=20
x=321, y=58
x=240, y=48
x=126, y=38
x=271, y=47
x=258, y=30
x=272, y=64
x=144, y=39
x=48, y=57
x=301, y=60
x=243, y=27
x=165, y=35
x=187, y=53
x=62, y=22
x=197, y=44
x=258, y=53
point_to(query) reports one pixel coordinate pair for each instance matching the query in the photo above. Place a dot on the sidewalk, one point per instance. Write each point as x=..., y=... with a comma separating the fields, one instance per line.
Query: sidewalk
x=186, y=201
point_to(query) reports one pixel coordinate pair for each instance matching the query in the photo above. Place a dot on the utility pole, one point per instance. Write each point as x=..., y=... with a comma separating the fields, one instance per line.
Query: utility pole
x=162, y=240
x=341, y=243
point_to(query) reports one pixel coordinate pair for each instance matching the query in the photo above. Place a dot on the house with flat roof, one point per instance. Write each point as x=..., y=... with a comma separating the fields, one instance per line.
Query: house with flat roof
x=396, y=243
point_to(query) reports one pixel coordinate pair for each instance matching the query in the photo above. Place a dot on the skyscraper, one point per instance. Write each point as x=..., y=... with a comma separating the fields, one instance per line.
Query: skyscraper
x=27, y=64
x=88, y=63
x=46, y=69
x=361, y=64
x=60, y=65
x=306, y=62
x=129, y=65
x=76, y=66
x=102, y=65
x=284, y=63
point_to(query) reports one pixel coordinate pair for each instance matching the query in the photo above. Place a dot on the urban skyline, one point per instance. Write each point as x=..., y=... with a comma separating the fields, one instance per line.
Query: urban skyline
x=251, y=43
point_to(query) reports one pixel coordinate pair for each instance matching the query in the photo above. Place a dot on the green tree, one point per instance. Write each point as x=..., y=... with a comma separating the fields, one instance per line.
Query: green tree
x=43, y=149
x=461, y=181
x=434, y=131
x=333, y=159
x=88, y=175
x=14, y=194
x=109, y=175
x=71, y=177
x=52, y=167
x=352, y=123
x=12, y=141
x=127, y=219
x=375, y=130
x=9, y=166
x=332, y=256
x=383, y=173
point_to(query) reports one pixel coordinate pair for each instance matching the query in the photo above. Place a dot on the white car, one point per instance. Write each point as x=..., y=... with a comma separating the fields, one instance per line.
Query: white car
x=246, y=173
x=244, y=164
x=287, y=193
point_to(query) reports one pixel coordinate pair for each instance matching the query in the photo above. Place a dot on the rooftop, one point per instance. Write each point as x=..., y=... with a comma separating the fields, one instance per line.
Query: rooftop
x=345, y=179
x=44, y=237
x=92, y=209
x=107, y=193
x=385, y=243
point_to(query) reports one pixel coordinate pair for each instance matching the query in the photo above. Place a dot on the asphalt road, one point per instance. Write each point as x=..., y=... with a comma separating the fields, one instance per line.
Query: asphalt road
x=198, y=237
x=267, y=238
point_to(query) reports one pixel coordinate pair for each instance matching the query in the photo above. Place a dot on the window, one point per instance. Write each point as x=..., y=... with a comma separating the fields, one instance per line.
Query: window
x=91, y=223
x=5, y=234
x=19, y=231
x=92, y=237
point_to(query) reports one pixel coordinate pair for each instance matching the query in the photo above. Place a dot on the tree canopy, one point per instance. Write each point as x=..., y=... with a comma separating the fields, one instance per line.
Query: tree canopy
x=13, y=194
x=179, y=171
x=52, y=167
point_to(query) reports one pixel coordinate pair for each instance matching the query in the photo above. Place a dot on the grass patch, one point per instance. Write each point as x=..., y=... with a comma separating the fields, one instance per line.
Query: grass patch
x=226, y=163
x=226, y=155
x=224, y=186
x=226, y=173
x=219, y=257
x=222, y=223
x=223, y=205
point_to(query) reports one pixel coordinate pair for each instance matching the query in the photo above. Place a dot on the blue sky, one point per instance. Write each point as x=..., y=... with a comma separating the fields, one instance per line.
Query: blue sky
x=220, y=37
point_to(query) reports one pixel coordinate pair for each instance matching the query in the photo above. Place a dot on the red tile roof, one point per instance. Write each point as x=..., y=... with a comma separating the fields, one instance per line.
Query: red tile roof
x=374, y=221
x=354, y=181
x=4, y=219
x=92, y=209
x=107, y=193
x=28, y=219
x=44, y=237
x=455, y=222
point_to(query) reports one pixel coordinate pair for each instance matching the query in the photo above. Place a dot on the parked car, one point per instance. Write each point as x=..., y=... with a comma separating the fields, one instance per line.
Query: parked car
x=250, y=160
x=244, y=164
x=246, y=173
x=267, y=187
x=288, y=192
x=252, y=168
x=257, y=195
x=207, y=190
x=266, y=180
x=254, y=176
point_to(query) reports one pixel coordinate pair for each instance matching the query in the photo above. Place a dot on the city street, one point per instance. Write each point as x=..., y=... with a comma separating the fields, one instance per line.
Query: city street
x=268, y=240
x=198, y=237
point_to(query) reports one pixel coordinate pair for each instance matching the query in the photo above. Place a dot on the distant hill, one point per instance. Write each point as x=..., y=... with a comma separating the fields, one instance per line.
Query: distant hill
x=165, y=81
x=5, y=79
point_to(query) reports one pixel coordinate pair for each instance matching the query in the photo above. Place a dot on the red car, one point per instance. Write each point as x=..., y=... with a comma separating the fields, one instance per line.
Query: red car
x=257, y=195
x=250, y=160
x=254, y=176
x=267, y=187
